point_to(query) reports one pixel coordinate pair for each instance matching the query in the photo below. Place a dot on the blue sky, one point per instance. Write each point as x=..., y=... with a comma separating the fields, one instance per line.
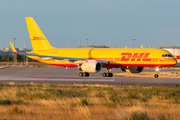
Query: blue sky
x=95, y=20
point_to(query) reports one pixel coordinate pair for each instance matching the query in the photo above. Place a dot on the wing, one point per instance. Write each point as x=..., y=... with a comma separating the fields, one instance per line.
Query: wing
x=68, y=58
x=74, y=60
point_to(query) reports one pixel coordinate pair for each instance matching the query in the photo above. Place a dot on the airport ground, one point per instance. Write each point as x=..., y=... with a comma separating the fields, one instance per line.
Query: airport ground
x=59, y=93
x=71, y=75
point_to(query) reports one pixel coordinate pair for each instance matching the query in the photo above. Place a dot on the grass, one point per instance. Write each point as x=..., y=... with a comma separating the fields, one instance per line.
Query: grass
x=81, y=101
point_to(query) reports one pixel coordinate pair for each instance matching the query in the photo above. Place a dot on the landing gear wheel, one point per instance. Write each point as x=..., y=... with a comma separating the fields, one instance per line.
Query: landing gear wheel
x=80, y=74
x=107, y=74
x=156, y=75
x=110, y=75
x=87, y=74
x=104, y=74
x=84, y=74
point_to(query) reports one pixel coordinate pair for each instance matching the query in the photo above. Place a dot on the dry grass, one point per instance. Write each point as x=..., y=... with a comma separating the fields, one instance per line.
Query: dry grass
x=79, y=101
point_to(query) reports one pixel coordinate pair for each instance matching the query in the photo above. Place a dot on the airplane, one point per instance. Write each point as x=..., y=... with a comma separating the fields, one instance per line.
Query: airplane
x=92, y=60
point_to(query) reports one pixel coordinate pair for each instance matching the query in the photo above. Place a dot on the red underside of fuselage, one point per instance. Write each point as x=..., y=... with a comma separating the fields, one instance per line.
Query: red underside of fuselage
x=118, y=65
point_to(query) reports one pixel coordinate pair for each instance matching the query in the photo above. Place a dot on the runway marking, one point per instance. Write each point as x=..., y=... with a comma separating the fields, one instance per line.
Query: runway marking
x=82, y=79
x=49, y=79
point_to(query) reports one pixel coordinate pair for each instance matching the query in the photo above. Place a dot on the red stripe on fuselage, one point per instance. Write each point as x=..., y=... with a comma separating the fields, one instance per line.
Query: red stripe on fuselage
x=65, y=65
x=137, y=65
x=118, y=65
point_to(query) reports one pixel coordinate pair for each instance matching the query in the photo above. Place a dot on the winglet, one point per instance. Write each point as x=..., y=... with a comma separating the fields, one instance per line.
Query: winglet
x=13, y=49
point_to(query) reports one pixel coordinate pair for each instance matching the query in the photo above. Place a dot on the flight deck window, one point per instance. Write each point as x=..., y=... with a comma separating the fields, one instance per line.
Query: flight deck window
x=167, y=55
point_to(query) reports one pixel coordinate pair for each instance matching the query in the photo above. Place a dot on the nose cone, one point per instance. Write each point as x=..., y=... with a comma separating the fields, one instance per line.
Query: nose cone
x=175, y=61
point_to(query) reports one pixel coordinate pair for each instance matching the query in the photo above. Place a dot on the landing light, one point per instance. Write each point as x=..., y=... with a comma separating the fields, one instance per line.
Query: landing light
x=157, y=69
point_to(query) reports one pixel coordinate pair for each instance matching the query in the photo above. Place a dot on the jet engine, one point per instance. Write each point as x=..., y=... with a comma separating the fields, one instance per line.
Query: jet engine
x=90, y=66
x=132, y=69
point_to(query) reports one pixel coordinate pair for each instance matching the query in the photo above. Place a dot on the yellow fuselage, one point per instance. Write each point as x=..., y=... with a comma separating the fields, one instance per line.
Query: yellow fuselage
x=118, y=57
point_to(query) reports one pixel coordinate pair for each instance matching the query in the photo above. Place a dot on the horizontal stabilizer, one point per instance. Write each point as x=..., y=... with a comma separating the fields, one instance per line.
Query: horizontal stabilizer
x=13, y=49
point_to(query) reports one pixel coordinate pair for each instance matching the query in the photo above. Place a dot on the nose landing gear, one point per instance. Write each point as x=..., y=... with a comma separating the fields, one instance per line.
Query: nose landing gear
x=157, y=72
x=156, y=75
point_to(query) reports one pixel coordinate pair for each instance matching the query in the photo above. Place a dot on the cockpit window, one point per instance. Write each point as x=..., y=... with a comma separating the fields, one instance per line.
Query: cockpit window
x=167, y=55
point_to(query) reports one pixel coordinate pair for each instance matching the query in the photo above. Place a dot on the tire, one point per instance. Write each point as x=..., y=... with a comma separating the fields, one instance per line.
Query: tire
x=110, y=74
x=87, y=74
x=84, y=74
x=156, y=75
x=107, y=74
x=104, y=74
x=80, y=74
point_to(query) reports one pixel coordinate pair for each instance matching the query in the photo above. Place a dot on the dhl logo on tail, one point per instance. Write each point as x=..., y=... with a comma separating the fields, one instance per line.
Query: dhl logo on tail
x=38, y=38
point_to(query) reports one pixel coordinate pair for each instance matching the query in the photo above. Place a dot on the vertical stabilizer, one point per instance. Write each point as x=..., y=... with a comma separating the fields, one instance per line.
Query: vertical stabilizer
x=38, y=40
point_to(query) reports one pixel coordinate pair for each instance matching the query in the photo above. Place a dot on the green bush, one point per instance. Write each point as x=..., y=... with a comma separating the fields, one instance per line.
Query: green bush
x=5, y=102
x=139, y=116
x=99, y=94
x=132, y=95
x=84, y=102
x=110, y=105
x=176, y=85
x=116, y=99
x=16, y=110
x=169, y=95
x=10, y=102
x=144, y=99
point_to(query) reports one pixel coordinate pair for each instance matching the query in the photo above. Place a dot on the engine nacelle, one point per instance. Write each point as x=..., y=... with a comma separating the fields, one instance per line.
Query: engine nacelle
x=132, y=69
x=90, y=66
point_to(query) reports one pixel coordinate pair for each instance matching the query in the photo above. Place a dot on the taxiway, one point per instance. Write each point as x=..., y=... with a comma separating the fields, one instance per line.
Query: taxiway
x=70, y=76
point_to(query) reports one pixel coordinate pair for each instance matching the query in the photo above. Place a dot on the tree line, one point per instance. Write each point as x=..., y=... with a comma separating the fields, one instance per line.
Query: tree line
x=10, y=58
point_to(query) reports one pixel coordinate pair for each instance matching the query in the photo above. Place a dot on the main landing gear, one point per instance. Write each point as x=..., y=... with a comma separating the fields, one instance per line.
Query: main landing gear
x=157, y=72
x=83, y=74
x=108, y=74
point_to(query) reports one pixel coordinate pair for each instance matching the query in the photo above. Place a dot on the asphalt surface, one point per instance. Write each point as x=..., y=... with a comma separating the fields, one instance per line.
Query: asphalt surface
x=71, y=76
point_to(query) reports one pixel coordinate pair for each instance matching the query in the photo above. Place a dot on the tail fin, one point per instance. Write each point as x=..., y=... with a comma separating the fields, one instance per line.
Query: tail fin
x=38, y=40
